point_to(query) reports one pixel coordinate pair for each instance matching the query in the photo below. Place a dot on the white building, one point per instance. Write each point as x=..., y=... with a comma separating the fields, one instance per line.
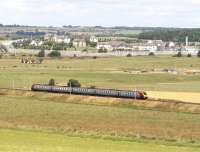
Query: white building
x=79, y=43
x=34, y=43
x=61, y=39
x=105, y=46
x=93, y=39
x=171, y=44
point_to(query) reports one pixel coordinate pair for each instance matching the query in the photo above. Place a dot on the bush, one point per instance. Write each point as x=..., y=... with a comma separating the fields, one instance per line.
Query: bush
x=54, y=54
x=41, y=53
x=189, y=55
x=84, y=50
x=51, y=82
x=151, y=54
x=129, y=55
x=198, y=54
x=73, y=83
x=92, y=87
x=92, y=44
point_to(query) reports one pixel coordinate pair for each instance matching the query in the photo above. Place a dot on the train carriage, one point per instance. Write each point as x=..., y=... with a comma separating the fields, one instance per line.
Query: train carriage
x=90, y=91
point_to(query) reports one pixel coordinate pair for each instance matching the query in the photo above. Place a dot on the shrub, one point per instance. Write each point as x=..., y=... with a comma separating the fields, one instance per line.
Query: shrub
x=51, y=82
x=189, y=55
x=40, y=60
x=92, y=87
x=54, y=54
x=102, y=50
x=179, y=54
x=41, y=53
x=151, y=54
x=73, y=83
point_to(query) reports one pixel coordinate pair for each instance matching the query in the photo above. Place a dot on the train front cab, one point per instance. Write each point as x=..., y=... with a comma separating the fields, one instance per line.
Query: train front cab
x=144, y=95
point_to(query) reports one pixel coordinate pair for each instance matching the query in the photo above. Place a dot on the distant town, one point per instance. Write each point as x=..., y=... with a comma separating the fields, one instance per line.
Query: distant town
x=119, y=41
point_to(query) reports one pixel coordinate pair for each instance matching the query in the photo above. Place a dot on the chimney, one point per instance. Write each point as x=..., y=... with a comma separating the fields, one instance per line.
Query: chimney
x=186, y=41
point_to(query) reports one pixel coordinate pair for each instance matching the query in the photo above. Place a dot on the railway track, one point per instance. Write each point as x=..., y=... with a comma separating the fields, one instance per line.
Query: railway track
x=149, y=99
x=16, y=89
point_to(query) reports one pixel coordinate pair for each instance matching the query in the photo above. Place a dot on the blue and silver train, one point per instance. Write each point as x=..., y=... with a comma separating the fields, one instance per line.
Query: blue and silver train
x=91, y=91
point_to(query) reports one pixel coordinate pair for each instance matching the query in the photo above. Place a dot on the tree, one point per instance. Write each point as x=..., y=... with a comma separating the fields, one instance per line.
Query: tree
x=51, y=82
x=189, y=55
x=73, y=83
x=41, y=53
x=179, y=54
x=198, y=54
x=54, y=54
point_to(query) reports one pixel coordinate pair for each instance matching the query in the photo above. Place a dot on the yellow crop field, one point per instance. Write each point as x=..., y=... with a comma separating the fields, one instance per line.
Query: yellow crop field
x=182, y=96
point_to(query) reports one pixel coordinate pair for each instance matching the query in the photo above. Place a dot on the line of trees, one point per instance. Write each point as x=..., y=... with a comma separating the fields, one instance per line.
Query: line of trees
x=70, y=83
x=177, y=35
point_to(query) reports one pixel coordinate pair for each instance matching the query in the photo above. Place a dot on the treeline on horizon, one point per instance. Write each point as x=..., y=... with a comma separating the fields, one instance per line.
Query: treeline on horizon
x=176, y=35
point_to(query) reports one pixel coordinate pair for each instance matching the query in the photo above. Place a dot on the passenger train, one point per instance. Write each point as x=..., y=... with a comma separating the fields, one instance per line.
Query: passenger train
x=91, y=91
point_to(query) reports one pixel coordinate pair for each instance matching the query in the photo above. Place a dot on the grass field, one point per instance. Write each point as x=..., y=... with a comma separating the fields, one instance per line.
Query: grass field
x=20, y=141
x=119, y=118
x=104, y=72
x=76, y=113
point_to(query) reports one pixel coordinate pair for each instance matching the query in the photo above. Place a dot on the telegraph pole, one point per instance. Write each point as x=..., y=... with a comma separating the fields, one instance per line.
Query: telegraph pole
x=13, y=84
x=70, y=87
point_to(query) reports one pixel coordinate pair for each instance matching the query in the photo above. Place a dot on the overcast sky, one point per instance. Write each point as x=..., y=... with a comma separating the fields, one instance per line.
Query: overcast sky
x=168, y=13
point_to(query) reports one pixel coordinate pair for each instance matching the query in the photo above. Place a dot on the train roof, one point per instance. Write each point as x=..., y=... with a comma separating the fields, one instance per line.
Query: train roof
x=89, y=88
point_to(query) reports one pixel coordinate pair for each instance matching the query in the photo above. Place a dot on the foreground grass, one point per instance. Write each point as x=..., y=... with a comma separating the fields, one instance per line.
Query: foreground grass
x=74, y=113
x=28, y=141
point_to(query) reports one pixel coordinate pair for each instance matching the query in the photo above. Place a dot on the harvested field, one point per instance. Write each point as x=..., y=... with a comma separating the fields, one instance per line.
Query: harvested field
x=189, y=97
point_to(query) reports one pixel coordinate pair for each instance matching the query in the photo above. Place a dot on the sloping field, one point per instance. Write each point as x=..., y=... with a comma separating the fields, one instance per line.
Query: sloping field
x=116, y=117
x=189, y=97
x=29, y=141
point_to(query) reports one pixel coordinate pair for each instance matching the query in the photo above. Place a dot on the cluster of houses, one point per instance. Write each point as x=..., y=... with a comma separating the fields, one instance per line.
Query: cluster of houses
x=109, y=44
x=145, y=45
x=77, y=43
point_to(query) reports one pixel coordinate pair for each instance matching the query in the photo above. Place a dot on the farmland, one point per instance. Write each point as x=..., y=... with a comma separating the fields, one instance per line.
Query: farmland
x=49, y=142
x=142, y=122
x=99, y=117
x=105, y=72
